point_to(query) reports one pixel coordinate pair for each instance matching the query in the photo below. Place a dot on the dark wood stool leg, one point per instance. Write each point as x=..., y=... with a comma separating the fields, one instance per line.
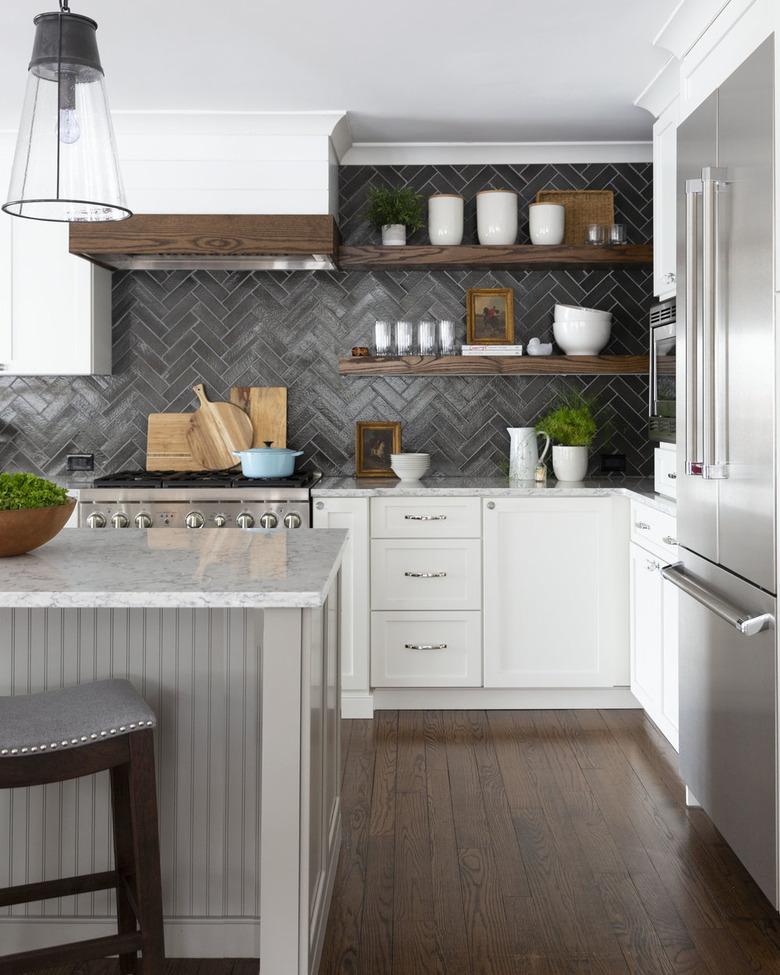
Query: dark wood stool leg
x=146, y=850
x=123, y=859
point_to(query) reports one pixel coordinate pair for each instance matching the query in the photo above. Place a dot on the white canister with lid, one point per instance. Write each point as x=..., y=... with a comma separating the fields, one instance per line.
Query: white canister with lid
x=445, y=219
x=497, y=217
x=546, y=223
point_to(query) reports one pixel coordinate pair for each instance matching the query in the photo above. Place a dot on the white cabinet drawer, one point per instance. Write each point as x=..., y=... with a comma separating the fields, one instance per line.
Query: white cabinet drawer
x=426, y=649
x=426, y=518
x=414, y=573
x=648, y=525
x=665, y=466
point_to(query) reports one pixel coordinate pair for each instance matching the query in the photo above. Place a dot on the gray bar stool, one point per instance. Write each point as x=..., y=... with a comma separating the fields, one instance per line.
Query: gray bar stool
x=64, y=734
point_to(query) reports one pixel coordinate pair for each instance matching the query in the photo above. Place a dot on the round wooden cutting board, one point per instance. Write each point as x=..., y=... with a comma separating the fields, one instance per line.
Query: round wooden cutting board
x=216, y=430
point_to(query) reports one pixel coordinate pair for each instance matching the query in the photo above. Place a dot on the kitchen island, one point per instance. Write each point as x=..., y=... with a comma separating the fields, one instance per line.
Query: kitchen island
x=232, y=638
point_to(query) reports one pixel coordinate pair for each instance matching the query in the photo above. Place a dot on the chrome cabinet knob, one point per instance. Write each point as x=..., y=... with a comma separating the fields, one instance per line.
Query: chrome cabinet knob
x=668, y=540
x=292, y=520
x=672, y=477
x=194, y=520
x=670, y=277
x=245, y=520
x=642, y=526
x=220, y=521
x=96, y=520
x=491, y=505
x=143, y=520
x=319, y=505
x=651, y=565
x=268, y=520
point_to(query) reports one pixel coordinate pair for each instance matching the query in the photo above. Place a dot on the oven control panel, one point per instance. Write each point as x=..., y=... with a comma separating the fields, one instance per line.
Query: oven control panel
x=193, y=514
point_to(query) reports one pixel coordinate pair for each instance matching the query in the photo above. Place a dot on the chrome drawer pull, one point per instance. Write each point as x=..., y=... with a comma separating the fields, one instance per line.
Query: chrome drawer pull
x=651, y=565
x=668, y=540
x=425, y=575
x=425, y=517
x=642, y=525
x=425, y=646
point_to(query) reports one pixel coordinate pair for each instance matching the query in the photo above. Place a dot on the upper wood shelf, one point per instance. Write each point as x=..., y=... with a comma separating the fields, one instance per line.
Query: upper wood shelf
x=497, y=365
x=372, y=257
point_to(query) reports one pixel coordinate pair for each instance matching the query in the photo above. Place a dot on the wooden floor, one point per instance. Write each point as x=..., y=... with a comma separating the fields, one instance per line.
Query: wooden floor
x=533, y=842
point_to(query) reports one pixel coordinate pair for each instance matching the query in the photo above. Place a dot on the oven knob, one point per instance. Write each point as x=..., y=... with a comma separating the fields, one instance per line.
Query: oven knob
x=245, y=520
x=143, y=520
x=119, y=520
x=96, y=520
x=268, y=520
x=220, y=521
x=194, y=520
x=293, y=520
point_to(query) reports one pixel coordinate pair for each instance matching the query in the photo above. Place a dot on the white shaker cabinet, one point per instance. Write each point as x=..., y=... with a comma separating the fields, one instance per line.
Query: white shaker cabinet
x=555, y=596
x=351, y=514
x=665, y=202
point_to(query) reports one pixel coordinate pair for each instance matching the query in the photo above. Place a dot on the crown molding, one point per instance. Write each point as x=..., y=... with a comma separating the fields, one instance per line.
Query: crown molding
x=662, y=90
x=464, y=153
x=685, y=25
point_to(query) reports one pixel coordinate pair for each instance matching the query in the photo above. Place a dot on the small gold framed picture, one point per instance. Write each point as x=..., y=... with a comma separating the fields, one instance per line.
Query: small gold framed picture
x=490, y=316
x=375, y=441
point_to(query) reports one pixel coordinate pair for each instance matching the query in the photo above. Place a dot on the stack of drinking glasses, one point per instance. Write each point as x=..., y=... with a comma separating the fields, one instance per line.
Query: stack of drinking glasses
x=433, y=338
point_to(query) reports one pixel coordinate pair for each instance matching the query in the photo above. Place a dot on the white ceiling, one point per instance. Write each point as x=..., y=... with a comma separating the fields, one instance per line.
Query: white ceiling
x=406, y=70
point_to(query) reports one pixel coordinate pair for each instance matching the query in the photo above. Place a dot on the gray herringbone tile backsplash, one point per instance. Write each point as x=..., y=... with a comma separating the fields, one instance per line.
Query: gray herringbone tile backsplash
x=173, y=329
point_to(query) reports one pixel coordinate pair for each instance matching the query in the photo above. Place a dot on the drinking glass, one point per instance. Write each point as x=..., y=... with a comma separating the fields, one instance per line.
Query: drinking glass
x=383, y=338
x=597, y=233
x=403, y=338
x=446, y=337
x=426, y=337
x=617, y=234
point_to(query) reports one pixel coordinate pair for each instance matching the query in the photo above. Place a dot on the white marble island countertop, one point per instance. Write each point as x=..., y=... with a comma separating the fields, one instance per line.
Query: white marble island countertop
x=175, y=568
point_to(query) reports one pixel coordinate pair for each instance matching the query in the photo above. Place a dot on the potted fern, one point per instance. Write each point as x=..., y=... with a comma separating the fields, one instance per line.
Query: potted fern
x=571, y=427
x=32, y=511
x=394, y=212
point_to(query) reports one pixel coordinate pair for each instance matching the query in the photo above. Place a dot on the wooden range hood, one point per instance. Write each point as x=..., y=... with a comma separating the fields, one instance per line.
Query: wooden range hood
x=169, y=241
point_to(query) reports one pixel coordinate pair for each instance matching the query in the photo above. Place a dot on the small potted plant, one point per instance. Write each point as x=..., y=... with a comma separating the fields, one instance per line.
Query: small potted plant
x=32, y=511
x=394, y=212
x=571, y=427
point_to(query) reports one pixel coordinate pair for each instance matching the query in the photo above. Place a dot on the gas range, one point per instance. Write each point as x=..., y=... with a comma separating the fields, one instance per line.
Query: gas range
x=196, y=499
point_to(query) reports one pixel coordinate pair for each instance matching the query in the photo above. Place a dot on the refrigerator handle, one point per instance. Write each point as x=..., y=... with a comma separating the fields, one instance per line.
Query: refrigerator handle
x=742, y=622
x=714, y=466
x=693, y=460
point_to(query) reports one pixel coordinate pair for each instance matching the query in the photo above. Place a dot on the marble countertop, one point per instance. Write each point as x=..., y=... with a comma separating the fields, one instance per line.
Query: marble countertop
x=175, y=568
x=640, y=488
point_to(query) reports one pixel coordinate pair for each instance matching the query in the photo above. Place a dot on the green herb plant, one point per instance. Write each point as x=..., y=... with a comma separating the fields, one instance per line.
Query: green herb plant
x=19, y=491
x=570, y=423
x=388, y=206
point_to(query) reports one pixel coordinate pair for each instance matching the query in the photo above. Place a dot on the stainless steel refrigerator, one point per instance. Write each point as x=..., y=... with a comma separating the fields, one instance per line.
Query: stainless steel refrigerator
x=726, y=463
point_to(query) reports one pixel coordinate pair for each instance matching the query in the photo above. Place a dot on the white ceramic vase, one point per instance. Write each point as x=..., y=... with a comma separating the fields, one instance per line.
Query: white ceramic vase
x=445, y=219
x=497, y=217
x=393, y=235
x=546, y=223
x=524, y=452
x=570, y=463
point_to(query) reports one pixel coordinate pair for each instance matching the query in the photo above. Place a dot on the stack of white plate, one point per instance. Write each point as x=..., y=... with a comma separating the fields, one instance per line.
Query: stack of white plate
x=410, y=467
x=581, y=331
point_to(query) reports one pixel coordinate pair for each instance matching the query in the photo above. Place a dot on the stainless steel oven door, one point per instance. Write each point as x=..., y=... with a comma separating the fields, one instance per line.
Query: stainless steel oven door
x=663, y=367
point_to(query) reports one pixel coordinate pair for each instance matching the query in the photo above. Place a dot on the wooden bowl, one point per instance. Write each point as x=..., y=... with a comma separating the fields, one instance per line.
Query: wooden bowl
x=23, y=530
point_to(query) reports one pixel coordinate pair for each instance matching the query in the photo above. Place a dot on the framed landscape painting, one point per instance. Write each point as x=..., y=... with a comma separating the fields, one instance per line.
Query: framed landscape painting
x=490, y=317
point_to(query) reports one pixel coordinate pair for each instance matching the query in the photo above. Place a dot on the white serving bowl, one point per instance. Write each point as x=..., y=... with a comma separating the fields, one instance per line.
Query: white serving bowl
x=582, y=338
x=410, y=467
x=571, y=313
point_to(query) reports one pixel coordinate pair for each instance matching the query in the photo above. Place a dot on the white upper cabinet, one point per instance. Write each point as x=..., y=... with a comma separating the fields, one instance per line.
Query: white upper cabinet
x=555, y=592
x=665, y=203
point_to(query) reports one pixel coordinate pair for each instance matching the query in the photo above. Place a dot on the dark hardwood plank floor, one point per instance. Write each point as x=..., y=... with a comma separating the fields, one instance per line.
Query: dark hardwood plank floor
x=533, y=843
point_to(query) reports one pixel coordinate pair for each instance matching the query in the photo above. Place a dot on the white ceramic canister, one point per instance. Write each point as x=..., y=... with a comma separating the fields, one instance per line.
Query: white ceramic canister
x=393, y=235
x=445, y=218
x=497, y=217
x=546, y=223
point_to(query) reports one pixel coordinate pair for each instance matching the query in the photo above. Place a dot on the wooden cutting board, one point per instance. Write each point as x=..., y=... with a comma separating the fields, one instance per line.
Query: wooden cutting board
x=266, y=407
x=167, y=447
x=216, y=430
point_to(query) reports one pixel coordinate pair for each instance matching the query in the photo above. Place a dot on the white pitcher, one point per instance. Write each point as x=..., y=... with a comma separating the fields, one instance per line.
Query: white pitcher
x=524, y=453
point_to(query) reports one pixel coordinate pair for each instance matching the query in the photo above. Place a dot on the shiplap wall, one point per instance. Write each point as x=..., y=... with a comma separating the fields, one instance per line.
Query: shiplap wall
x=200, y=671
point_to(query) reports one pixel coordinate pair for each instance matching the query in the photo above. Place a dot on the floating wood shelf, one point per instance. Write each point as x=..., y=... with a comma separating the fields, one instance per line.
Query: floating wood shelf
x=371, y=257
x=497, y=365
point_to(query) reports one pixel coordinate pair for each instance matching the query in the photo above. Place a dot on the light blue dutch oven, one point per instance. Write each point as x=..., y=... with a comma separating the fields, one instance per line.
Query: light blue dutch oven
x=267, y=461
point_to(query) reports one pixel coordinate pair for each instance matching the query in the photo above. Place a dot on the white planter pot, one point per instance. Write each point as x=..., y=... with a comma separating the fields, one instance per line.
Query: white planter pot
x=497, y=217
x=570, y=463
x=546, y=223
x=445, y=219
x=394, y=235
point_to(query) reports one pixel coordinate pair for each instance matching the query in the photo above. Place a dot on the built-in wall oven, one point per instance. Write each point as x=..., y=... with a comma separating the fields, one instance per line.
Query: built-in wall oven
x=663, y=367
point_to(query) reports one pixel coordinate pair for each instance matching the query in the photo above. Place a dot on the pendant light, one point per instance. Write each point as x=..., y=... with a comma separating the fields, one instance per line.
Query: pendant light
x=65, y=167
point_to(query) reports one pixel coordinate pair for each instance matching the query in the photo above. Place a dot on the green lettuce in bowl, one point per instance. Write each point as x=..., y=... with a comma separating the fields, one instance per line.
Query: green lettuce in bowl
x=18, y=491
x=32, y=512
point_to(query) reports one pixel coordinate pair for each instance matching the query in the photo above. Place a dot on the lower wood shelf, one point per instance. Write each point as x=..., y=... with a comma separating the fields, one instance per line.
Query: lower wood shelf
x=497, y=365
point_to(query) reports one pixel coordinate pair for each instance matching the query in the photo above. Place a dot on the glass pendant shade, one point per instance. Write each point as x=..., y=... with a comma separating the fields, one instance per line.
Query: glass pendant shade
x=65, y=167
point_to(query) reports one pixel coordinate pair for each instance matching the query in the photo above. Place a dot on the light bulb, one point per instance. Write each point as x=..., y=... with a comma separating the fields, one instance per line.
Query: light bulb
x=69, y=128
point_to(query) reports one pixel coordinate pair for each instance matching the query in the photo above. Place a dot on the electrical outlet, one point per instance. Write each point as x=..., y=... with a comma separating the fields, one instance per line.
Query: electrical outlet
x=81, y=462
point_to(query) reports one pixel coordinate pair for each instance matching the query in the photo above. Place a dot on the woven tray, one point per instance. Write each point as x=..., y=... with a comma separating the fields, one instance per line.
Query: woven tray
x=583, y=207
